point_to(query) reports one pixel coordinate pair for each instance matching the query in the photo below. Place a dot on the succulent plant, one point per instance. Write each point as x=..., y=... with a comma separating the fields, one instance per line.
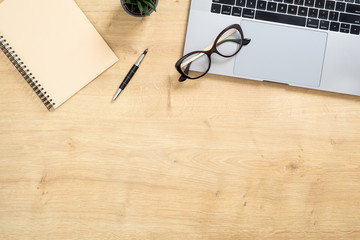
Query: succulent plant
x=141, y=6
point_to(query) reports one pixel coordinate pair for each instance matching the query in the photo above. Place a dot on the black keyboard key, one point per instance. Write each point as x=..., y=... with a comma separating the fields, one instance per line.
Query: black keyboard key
x=300, y=2
x=280, y=18
x=251, y=3
x=334, y=16
x=272, y=6
x=292, y=9
x=309, y=3
x=313, y=12
x=248, y=13
x=355, y=29
x=261, y=5
x=312, y=23
x=349, y=1
x=330, y=5
x=349, y=18
x=215, y=8
x=324, y=25
x=323, y=14
x=229, y=2
x=289, y=1
x=236, y=11
x=319, y=3
x=340, y=6
x=278, y=1
x=226, y=10
x=357, y=1
x=303, y=11
x=282, y=8
x=240, y=3
x=334, y=26
x=344, y=27
x=353, y=8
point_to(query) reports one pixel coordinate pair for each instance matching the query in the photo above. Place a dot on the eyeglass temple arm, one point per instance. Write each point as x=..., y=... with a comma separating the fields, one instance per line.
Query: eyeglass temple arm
x=245, y=42
x=186, y=71
x=228, y=34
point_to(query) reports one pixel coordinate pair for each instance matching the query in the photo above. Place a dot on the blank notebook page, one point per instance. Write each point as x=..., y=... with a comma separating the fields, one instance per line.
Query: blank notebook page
x=57, y=43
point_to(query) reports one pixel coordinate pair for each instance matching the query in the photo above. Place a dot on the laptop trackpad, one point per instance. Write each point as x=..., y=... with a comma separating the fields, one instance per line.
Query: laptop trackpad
x=281, y=54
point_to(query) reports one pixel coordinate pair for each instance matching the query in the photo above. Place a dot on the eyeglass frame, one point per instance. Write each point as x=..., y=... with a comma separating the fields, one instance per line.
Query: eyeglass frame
x=243, y=42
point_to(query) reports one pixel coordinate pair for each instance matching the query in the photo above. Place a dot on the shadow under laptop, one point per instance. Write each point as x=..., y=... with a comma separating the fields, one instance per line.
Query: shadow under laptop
x=210, y=79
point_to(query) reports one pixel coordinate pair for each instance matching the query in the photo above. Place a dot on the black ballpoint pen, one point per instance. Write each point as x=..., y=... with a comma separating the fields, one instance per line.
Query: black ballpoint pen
x=130, y=75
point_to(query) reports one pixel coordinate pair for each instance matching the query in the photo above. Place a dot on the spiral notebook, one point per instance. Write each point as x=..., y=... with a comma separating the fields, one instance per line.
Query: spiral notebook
x=53, y=46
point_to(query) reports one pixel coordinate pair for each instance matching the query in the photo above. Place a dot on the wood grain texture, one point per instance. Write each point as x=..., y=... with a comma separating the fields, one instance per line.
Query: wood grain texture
x=218, y=158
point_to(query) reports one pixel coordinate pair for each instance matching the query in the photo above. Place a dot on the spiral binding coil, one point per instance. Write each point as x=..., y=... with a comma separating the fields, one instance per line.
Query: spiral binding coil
x=25, y=73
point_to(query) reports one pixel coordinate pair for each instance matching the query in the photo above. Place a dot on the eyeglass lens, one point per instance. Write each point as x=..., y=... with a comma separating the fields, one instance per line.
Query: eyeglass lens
x=229, y=42
x=197, y=67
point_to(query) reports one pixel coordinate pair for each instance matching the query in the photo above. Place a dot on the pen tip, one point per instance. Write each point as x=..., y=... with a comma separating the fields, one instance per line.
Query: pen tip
x=146, y=51
x=117, y=94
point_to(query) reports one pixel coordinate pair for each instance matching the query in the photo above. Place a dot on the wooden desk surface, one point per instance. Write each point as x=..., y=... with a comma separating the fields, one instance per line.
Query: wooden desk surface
x=219, y=158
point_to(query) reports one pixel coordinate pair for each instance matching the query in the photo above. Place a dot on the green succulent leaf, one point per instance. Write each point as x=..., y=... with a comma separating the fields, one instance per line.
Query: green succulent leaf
x=151, y=4
x=141, y=6
x=141, y=9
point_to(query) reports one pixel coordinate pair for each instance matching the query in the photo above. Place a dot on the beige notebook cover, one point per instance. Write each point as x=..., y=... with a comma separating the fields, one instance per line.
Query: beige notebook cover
x=57, y=45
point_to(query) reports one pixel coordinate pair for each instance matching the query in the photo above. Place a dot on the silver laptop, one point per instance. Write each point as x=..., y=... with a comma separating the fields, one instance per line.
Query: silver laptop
x=306, y=43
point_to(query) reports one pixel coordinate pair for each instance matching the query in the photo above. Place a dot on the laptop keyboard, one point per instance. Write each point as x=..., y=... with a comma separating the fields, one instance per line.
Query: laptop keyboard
x=338, y=16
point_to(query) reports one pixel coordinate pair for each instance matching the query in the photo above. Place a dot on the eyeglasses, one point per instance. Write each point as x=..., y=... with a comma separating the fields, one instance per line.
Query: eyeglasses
x=227, y=44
